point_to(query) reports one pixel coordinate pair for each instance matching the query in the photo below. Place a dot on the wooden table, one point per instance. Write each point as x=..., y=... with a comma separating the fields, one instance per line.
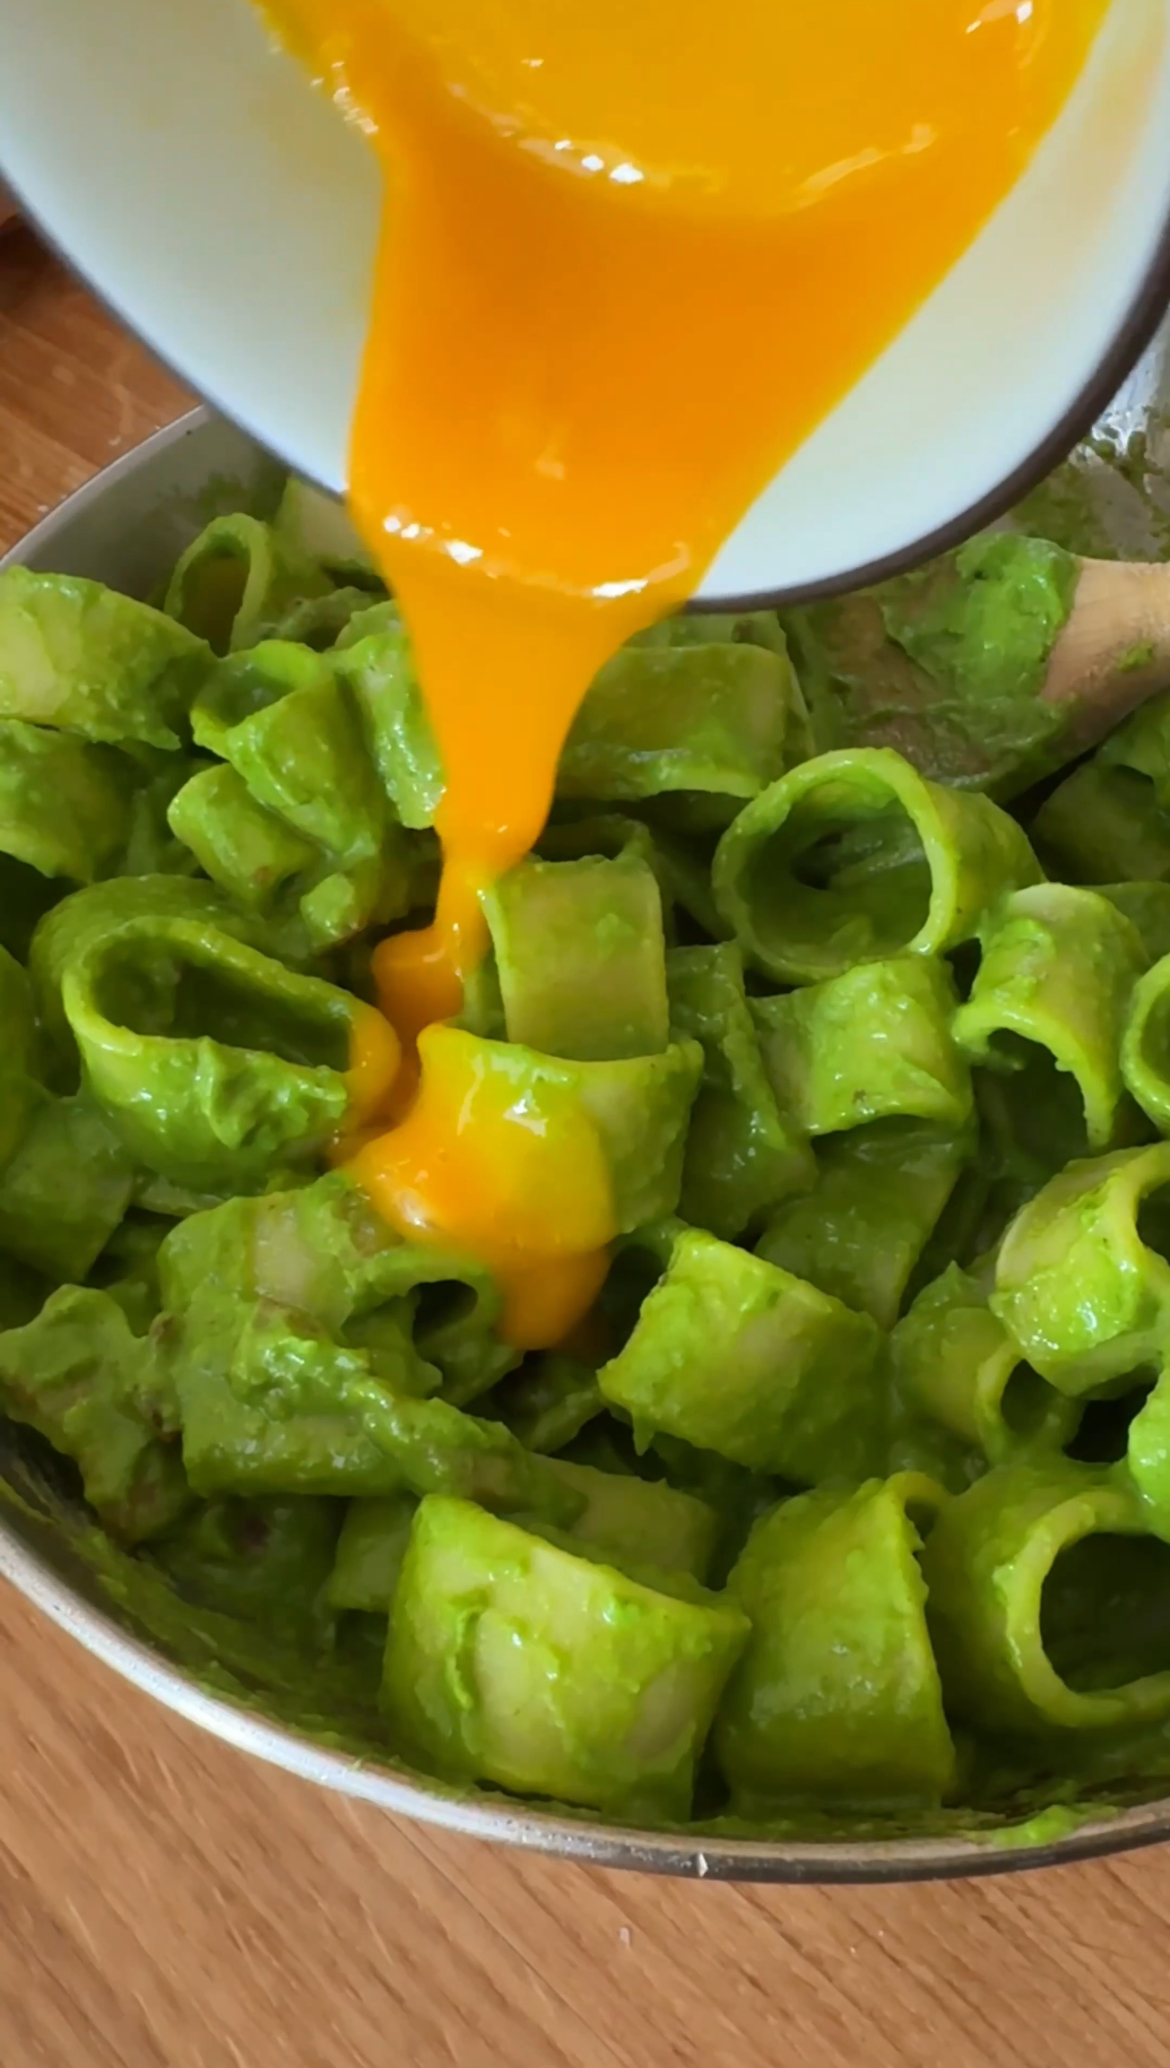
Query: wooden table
x=165, y=1903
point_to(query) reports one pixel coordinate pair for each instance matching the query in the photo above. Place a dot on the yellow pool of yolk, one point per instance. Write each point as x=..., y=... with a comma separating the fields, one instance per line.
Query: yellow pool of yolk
x=632, y=255
x=513, y=1176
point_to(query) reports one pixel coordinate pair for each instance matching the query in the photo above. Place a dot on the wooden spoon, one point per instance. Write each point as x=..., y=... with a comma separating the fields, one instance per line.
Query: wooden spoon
x=964, y=712
x=1114, y=651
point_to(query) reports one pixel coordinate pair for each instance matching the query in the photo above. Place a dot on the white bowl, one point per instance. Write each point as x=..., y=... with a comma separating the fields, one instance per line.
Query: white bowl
x=229, y=215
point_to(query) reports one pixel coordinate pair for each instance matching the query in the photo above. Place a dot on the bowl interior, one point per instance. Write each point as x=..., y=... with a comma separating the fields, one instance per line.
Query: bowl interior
x=139, y=133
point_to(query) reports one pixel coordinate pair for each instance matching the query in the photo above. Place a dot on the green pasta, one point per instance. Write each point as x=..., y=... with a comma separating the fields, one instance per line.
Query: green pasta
x=1147, y=1456
x=66, y=1186
x=955, y=1369
x=853, y=857
x=1079, y=1290
x=292, y=1376
x=879, y=1194
x=245, y=848
x=321, y=1252
x=1147, y=906
x=66, y=1177
x=1110, y=819
x=264, y=1561
x=707, y=717
x=79, y=1377
x=374, y=660
x=641, y=1523
x=1014, y=1655
x=681, y=868
x=370, y=1551
x=81, y=659
x=287, y=722
x=1103, y=824
x=1143, y=744
x=701, y=714
x=25, y=897
x=1145, y=1048
x=271, y=1403
x=745, y=1148
x=638, y=1105
x=457, y=1333
x=580, y=956
x=17, y=1016
x=279, y=716
x=838, y=1695
x=870, y=1044
x=849, y=1497
x=1032, y=1125
x=318, y=528
x=637, y=1523
x=577, y=1680
x=144, y=1000
x=237, y=580
x=65, y=803
x=1058, y=969
x=127, y=1268
x=549, y=1400
x=745, y=1359
x=76, y=922
x=922, y=665
x=275, y=1406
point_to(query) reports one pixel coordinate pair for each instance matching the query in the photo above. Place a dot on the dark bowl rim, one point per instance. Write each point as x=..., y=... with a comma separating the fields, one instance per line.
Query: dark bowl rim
x=1136, y=331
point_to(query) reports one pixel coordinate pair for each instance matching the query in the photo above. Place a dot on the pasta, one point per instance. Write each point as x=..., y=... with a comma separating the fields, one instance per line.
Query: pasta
x=873, y=1043
x=141, y=981
x=744, y=1150
x=849, y=1494
x=958, y=1375
x=854, y=856
x=1081, y=1292
x=615, y=1724
x=880, y=1192
x=839, y=1694
x=742, y=1358
x=1013, y=1653
x=1056, y=979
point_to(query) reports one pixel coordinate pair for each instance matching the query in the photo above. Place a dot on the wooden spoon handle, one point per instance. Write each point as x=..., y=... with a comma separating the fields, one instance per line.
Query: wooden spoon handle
x=1114, y=651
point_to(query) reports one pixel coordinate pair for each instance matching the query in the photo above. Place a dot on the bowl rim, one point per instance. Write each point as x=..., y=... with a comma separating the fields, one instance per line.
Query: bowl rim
x=1150, y=303
x=692, y=1856
x=697, y=1856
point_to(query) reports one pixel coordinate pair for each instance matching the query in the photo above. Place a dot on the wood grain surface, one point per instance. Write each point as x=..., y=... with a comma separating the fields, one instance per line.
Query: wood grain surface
x=166, y=1903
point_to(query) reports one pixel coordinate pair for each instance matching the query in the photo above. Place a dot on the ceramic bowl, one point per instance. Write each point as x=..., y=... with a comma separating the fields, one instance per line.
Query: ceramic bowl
x=229, y=215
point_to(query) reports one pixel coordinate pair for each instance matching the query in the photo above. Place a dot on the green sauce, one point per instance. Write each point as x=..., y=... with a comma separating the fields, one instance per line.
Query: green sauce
x=846, y=1519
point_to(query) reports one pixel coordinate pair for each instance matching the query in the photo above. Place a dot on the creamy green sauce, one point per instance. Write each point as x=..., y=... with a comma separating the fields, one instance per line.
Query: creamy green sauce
x=947, y=663
x=831, y=1167
x=333, y=1702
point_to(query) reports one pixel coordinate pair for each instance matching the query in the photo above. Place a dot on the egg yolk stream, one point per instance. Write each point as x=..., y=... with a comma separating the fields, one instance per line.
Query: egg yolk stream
x=497, y=652
x=631, y=257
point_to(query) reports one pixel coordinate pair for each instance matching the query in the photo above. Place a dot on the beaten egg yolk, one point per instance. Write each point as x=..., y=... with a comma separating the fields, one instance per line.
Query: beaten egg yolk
x=471, y=1163
x=632, y=255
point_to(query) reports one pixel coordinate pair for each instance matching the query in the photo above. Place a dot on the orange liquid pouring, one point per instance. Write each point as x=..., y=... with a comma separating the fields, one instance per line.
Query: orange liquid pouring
x=632, y=256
